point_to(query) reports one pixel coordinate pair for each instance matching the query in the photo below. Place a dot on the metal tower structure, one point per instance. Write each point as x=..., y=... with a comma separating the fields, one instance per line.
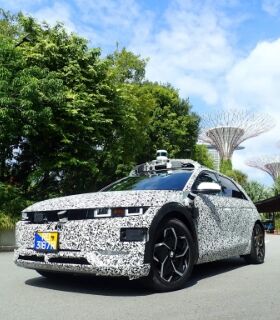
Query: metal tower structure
x=269, y=164
x=226, y=130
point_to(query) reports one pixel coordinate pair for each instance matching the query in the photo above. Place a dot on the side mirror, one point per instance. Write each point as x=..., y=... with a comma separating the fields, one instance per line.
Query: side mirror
x=209, y=187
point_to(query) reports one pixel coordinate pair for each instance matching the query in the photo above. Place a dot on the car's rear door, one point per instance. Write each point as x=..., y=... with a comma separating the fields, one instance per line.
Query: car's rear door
x=238, y=217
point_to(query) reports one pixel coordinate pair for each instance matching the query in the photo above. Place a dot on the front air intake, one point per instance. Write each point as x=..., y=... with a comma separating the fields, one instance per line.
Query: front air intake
x=31, y=258
x=66, y=260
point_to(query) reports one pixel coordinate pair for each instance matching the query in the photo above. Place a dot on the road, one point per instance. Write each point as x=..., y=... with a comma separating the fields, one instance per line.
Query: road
x=228, y=289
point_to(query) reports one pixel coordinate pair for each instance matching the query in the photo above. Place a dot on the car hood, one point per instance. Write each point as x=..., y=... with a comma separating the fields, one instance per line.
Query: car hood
x=108, y=199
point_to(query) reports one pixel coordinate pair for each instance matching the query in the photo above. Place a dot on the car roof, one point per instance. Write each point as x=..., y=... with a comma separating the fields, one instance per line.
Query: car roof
x=155, y=166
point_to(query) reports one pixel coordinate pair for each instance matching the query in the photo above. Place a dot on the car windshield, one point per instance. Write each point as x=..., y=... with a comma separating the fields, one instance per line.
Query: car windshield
x=163, y=181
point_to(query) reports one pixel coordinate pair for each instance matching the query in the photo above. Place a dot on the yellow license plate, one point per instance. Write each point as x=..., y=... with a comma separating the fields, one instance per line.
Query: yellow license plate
x=46, y=241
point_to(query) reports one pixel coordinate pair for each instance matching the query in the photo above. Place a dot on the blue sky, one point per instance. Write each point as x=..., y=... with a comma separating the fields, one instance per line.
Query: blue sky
x=221, y=54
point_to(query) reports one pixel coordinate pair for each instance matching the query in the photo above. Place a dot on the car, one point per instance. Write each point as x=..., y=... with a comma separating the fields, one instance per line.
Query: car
x=269, y=225
x=155, y=225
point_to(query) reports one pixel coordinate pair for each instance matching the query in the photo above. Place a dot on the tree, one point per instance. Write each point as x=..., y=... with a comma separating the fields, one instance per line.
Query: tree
x=257, y=191
x=202, y=155
x=72, y=121
x=276, y=187
x=237, y=175
x=225, y=166
x=172, y=126
x=126, y=67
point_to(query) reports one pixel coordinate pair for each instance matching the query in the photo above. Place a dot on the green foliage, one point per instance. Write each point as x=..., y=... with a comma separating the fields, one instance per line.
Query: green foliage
x=202, y=155
x=237, y=175
x=72, y=121
x=171, y=125
x=277, y=221
x=126, y=67
x=12, y=202
x=6, y=221
x=225, y=166
x=276, y=187
x=257, y=191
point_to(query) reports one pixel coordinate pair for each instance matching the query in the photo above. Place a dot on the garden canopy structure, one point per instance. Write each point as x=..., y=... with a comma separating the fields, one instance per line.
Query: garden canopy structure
x=269, y=205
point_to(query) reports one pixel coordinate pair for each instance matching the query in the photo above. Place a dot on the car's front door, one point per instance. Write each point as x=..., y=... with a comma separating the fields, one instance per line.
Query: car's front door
x=214, y=221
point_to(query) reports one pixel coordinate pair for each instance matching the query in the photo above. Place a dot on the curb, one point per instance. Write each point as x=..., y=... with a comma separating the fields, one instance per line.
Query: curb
x=7, y=248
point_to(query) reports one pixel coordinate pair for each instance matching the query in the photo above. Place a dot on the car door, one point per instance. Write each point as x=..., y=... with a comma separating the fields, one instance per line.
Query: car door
x=238, y=218
x=212, y=229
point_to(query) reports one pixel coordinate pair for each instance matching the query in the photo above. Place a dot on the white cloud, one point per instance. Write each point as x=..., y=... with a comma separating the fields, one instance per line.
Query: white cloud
x=109, y=13
x=112, y=21
x=197, y=86
x=254, y=82
x=24, y=5
x=191, y=50
x=272, y=7
x=59, y=12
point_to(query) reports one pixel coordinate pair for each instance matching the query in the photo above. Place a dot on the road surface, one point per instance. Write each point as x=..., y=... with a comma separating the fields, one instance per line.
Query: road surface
x=228, y=289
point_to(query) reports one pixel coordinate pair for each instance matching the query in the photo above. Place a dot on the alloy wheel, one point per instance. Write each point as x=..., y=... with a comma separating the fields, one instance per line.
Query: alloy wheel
x=171, y=255
x=259, y=242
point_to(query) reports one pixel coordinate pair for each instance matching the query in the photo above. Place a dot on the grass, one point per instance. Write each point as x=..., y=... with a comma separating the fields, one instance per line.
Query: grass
x=6, y=222
x=277, y=221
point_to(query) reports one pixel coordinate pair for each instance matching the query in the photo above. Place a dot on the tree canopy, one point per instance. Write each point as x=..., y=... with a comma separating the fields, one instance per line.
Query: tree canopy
x=71, y=120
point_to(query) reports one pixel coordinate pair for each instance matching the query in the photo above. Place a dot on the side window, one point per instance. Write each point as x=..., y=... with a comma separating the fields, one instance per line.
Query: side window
x=229, y=189
x=204, y=176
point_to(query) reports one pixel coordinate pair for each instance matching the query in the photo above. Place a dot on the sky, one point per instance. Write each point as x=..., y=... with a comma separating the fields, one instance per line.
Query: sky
x=222, y=54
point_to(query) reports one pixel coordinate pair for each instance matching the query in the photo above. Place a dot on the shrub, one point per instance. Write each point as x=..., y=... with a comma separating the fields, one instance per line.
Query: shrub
x=12, y=202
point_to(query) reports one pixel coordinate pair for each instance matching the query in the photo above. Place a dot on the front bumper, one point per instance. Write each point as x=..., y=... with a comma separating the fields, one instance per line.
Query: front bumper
x=87, y=246
x=114, y=264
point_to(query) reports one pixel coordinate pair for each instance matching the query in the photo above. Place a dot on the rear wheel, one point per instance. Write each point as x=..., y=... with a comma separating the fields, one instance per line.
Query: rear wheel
x=257, y=253
x=173, y=256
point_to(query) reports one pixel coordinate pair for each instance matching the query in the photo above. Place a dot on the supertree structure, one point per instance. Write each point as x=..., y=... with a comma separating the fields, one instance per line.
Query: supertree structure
x=226, y=130
x=269, y=164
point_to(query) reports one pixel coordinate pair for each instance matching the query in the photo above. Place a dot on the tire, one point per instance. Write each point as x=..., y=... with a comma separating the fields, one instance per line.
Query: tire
x=173, y=257
x=53, y=275
x=257, y=253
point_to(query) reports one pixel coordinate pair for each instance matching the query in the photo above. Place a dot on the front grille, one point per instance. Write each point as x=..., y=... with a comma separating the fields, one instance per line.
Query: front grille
x=52, y=216
x=31, y=258
x=69, y=260
x=71, y=214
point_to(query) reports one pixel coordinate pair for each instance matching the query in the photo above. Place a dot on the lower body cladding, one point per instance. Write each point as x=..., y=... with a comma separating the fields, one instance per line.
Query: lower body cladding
x=104, y=246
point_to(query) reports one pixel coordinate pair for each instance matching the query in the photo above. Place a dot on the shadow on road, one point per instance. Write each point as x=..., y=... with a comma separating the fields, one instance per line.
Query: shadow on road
x=215, y=268
x=122, y=286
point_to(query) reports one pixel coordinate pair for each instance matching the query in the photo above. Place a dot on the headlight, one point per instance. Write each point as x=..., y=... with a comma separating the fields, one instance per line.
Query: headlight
x=102, y=213
x=24, y=216
x=119, y=212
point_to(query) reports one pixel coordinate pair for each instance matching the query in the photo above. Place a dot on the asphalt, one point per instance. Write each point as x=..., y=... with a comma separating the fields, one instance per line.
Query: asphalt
x=228, y=289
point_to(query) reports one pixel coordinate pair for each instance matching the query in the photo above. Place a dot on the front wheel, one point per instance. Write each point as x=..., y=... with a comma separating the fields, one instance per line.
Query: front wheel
x=173, y=256
x=257, y=253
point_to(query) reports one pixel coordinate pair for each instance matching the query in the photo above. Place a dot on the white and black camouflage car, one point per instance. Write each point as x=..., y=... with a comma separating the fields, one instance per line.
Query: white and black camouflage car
x=155, y=224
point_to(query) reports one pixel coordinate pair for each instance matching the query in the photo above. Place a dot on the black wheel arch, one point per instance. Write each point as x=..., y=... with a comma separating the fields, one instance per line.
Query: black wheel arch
x=166, y=212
